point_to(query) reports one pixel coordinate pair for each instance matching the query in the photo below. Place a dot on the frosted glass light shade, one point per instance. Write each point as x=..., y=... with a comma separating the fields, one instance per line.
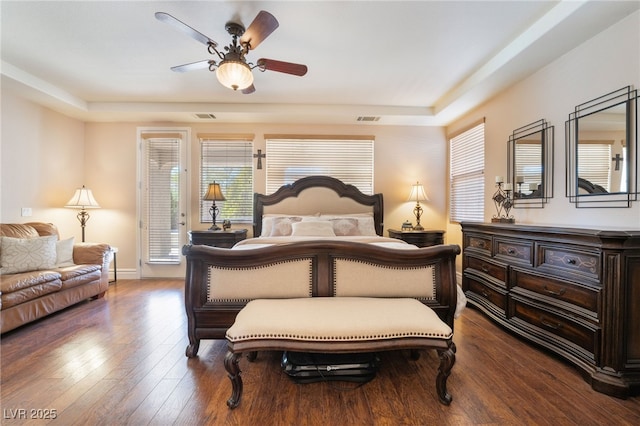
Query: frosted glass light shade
x=235, y=75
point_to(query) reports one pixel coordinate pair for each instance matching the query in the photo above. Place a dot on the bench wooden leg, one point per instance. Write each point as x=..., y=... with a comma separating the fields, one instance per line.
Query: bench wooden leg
x=233, y=370
x=447, y=359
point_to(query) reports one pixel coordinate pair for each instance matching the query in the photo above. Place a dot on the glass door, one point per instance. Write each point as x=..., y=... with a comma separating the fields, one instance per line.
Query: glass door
x=163, y=194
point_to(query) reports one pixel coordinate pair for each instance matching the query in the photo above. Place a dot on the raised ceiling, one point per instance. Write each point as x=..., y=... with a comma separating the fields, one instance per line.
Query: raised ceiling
x=406, y=62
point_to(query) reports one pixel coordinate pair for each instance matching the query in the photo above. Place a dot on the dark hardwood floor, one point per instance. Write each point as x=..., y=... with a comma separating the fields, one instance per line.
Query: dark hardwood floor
x=120, y=360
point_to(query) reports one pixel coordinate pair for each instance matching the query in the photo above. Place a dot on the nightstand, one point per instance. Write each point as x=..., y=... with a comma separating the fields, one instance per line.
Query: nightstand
x=425, y=238
x=224, y=239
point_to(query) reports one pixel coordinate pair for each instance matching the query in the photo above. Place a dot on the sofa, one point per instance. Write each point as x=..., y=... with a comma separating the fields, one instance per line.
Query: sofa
x=41, y=274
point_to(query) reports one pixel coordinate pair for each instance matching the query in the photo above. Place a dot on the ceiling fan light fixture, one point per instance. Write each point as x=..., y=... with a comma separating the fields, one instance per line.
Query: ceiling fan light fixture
x=235, y=75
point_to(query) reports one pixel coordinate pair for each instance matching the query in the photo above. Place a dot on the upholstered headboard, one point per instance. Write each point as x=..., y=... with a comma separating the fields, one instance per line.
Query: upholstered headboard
x=317, y=194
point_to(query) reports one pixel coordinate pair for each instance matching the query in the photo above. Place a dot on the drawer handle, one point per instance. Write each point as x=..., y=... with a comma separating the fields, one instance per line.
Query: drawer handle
x=554, y=326
x=485, y=294
x=481, y=244
x=571, y=261
x=511, y=251
x=555, y=293
x=485, y=269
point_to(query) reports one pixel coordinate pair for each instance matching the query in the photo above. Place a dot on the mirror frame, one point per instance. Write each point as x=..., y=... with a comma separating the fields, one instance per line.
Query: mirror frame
x=598, y=197
x=539, y=197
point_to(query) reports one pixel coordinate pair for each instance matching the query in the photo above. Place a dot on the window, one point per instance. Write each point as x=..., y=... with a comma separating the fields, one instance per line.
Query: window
x=347, y=159
x=466, y=175
x=594, y=164
x=228, y=162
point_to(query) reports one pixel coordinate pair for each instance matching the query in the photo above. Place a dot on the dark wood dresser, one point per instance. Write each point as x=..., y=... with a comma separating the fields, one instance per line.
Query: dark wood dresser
x=573, y=291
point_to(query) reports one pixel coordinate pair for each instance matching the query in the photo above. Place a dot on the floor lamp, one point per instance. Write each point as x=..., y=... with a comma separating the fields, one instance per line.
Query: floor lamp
x=83, y=199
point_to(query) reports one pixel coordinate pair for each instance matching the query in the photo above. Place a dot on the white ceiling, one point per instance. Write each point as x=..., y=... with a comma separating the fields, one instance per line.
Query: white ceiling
x=407, y=62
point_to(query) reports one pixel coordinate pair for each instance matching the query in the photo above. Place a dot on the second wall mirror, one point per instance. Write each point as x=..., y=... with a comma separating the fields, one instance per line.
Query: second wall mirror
x=530, y=164
x=602, y=163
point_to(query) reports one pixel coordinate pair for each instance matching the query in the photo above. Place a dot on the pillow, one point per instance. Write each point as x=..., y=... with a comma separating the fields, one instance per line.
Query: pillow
x=64, y=252
x=281, y=226
x=345, y=226
x=27, y=254
x=268, y=218
x=313, y=229
x=366, y=225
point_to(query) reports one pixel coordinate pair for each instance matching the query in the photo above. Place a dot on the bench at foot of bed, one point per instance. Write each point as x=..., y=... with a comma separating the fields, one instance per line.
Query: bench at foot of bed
x=338, y=325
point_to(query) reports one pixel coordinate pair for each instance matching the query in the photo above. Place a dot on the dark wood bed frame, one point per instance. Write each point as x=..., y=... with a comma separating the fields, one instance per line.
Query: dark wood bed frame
x=211, y=319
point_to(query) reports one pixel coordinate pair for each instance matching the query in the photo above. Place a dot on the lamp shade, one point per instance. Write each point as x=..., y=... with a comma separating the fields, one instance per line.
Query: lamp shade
x=83, y=199
x=235, y=75
x=214, y=193
x=417, y=193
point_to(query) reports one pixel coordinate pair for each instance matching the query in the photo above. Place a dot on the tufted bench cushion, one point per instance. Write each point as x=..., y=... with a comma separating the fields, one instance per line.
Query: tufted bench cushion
x=336, y=319
x=340, y=325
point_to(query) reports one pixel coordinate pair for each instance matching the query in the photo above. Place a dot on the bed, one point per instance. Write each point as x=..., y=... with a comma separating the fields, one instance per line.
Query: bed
x=316, y=237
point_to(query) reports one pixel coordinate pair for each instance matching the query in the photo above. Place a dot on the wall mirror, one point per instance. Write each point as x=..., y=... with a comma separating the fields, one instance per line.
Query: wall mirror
x=601, y=151
x=530, y=164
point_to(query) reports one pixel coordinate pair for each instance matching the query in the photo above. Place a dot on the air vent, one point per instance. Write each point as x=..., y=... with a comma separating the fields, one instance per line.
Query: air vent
x=206, y=116
x=368, y=118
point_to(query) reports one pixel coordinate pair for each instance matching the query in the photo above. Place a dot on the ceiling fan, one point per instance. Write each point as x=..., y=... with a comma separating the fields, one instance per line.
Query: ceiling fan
x=233, y=70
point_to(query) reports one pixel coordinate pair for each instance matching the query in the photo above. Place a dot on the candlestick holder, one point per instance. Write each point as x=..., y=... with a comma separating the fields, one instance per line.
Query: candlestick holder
x=503, y=203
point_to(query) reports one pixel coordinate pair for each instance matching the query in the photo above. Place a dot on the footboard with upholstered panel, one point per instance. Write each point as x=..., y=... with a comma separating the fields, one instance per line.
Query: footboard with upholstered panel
x=220, y=282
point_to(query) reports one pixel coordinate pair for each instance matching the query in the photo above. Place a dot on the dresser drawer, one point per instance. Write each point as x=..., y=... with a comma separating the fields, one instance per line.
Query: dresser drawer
x=488, y=267
x=579, y=262
x=581, y=334
x=583, y=297
x=512, y=250
x=478, y=242
x=486, y=293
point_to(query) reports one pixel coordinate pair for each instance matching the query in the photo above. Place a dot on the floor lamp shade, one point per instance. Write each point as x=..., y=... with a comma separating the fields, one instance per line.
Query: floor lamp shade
x=83, y=199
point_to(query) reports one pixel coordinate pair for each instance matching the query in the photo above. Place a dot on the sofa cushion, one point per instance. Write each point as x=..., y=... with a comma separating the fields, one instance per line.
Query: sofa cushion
x=18, y=230
x=27, y=254
x=30, y=293
x=44, y=229
x=75, y=275
x=16, y=282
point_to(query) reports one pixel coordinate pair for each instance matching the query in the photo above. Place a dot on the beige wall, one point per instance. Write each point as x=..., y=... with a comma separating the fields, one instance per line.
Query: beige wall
x=45, y=155
x=402, y=156
x=605, y=63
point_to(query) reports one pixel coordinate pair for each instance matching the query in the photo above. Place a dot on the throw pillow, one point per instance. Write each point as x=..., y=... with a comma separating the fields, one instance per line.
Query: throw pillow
x=312, y=229
x=282, y=226
x=345, y=226
x=27, y=254
x=64, y=252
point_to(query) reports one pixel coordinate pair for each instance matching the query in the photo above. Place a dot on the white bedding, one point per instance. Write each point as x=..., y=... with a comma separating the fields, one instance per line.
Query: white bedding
x=269, y=241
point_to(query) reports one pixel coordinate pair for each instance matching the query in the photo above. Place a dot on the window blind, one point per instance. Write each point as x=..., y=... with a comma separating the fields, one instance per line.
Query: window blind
x=162, y=160
x=466, y=175
x=594, y=163
x=529, y=162
x=229, y=163
x=288, y=160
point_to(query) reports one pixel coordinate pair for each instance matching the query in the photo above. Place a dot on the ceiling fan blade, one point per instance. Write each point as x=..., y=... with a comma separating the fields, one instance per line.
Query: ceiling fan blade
x=280, y=66
x=192, y=66
x=249, y=90
x=263, y=25
x=176, y=23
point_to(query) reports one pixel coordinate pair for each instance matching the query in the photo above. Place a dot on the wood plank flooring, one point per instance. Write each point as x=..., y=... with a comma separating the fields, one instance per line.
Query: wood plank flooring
x=120, y=360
